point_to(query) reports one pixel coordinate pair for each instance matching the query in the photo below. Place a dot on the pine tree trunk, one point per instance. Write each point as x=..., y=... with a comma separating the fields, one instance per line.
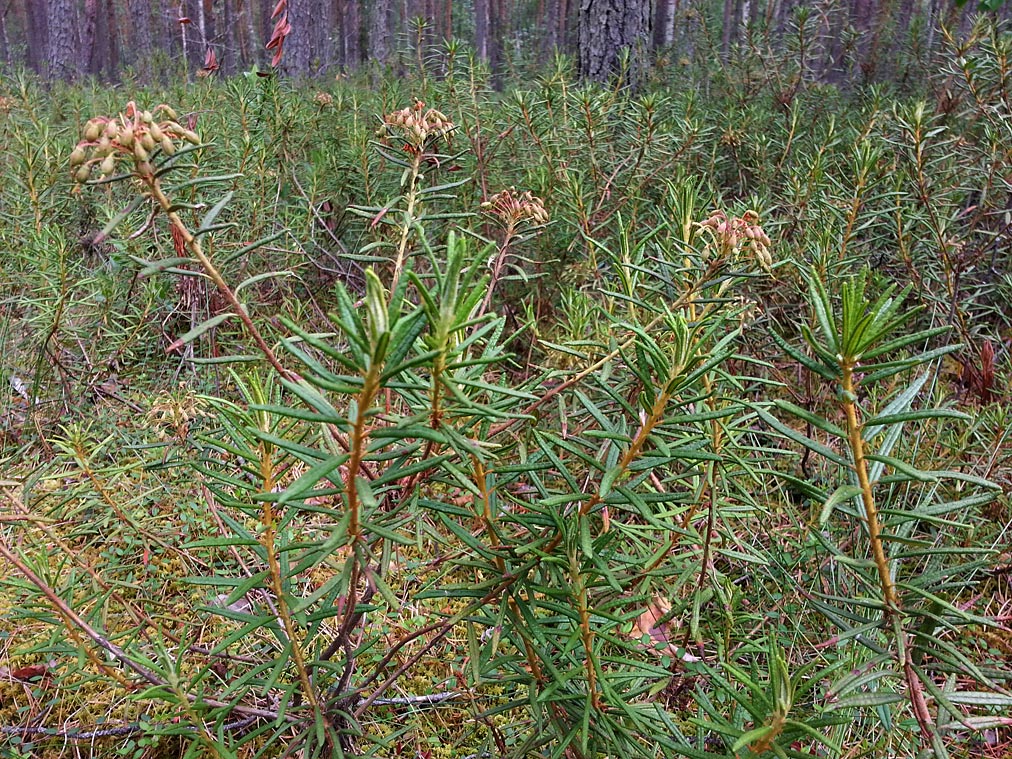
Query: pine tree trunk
x=562, y=33
x=664, y=18
x=352, y=31
x=730, y=20
x=5, y=42
x=607, y=27
x=108, y=40
x=298, y=51
x=496, y=29
x=481, y=29
x=379, y=31
x=63, y=53
x=141, y=39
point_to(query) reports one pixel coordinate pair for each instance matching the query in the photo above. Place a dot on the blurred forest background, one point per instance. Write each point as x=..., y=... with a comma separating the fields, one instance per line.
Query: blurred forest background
x=851, y=41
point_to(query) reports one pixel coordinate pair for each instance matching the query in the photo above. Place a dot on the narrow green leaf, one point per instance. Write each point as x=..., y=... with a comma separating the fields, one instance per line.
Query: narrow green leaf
x=840, y=495
x=814, y=419
x=800, y=439
x=201, y=328
x=208, y=221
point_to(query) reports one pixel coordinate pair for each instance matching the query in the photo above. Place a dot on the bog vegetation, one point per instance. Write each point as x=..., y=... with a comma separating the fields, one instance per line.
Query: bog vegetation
x=402, y=417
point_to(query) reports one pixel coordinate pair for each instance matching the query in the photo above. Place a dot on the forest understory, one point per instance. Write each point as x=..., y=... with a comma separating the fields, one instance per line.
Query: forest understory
x=431, y=413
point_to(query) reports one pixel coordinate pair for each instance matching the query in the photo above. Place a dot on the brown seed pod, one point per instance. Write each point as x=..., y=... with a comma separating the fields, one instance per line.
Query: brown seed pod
x=92, y=130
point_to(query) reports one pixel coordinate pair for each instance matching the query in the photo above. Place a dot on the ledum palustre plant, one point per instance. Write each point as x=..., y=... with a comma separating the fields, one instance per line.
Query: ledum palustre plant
x=908, y=556
x=400, y=431
x=399, y=518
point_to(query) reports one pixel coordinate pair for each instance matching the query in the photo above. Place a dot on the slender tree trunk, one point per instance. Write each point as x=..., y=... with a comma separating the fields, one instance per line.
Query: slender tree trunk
x=481, y=24
x=201, y=25
x=607, y=27
x=5, y=42
x=63, y=53
x=88, y=61
x=352, y=34
x=664, y=19
x=496, y=33
x=109, y=40
x=231, y=56
x=252, y=47
x=379, y=30
x=298, y=51
x=729, y=29
x=139, y=13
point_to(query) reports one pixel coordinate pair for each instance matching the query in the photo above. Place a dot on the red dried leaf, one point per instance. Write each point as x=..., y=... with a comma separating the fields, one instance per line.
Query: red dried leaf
x=978, y=379
x=276, y=59
x=210, y=61
x=24, y=674
x=280, y=8
x=178, y=242
x=987, y=372
x=378, y=217
x=183, y=20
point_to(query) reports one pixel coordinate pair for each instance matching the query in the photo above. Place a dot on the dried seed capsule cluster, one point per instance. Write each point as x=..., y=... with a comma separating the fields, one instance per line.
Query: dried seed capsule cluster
x=133, y=136
x=738, y=232
x=511, y=208
x=416, y=126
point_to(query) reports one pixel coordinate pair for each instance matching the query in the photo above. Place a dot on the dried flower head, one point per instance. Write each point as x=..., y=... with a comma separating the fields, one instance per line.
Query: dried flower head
x=416, y=127
x=174, y=411
x=740, y=232
x=7, y=104
x=511, y=208
x=134, y=136
x=323, y=99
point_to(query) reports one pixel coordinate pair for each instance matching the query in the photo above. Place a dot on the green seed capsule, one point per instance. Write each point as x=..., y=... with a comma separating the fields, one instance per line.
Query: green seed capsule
x=82, y=174
x=148, y=141
x=156, y=133
x=77, y=156
x=92, y=131
x=126, y=137
x=139, y=151
x=168, y=146
x=108, y=165
x=145, y=169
